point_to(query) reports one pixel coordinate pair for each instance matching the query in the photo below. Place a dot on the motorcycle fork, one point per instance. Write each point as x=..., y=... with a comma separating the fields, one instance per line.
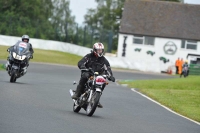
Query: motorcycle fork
x=92, y=88
x=18, y=69
x=91, y=92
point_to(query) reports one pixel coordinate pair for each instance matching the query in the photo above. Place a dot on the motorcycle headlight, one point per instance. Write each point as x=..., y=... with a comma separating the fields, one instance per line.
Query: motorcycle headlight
x=23, y=57
x=18, y=57
x=14, y=54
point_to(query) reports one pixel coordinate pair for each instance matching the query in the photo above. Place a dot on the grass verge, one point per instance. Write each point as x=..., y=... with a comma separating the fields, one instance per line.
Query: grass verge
x=47, y=56
x=181, y=95
x=2, y=67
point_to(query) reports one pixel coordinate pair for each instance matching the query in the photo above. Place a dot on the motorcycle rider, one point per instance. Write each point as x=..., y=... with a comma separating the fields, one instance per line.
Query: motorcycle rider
x=185, y=65
x=94, y=60
x=25, y=38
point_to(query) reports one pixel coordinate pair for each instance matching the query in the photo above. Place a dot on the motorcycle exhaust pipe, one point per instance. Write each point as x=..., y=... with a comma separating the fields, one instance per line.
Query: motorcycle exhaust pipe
x=71, y=93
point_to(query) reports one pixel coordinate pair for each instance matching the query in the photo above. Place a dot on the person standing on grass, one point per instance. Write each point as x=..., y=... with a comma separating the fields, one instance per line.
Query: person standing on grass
x=177, y=65
x=180, y=65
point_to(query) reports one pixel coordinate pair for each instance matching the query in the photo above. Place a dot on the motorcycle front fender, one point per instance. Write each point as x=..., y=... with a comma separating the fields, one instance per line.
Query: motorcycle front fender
x=15, y=67
x=98, y=90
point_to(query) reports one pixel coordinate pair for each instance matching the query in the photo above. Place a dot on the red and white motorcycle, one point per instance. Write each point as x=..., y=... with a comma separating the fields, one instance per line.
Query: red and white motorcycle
x=92, y=93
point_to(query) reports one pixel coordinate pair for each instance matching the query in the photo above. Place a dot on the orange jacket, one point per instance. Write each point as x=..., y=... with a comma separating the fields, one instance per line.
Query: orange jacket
x=178, y=62
x=181, y=63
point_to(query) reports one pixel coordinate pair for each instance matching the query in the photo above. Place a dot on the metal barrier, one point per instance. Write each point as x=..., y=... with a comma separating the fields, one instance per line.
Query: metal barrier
x=194, y=69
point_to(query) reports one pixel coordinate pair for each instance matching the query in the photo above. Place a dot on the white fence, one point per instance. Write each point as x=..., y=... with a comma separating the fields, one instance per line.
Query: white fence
x=78, y=50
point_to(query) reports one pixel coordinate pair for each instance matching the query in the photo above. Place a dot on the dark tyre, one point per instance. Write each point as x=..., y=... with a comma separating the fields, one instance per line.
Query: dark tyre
x=76, y=108
x=185, y=74
x=13, y=77
x=92, y=105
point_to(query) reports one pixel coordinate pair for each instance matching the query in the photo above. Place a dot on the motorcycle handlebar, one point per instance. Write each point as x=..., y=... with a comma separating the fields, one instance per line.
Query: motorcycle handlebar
x=90, y=70
x=108, y=75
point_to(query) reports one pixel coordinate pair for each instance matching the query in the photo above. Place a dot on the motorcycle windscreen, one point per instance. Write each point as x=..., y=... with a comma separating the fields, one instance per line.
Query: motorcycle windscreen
x=21, y=48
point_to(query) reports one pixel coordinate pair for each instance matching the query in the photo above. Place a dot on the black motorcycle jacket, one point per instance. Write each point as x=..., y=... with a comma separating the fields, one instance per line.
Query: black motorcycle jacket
x=96, y=63
x=31, y=48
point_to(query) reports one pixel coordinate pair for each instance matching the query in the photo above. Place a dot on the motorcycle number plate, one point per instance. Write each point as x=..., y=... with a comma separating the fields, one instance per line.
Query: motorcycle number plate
x=100, y=80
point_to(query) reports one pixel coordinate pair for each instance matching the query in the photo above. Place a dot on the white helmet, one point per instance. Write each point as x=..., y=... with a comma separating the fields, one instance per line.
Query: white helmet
x=25, y=37
x=98, y=49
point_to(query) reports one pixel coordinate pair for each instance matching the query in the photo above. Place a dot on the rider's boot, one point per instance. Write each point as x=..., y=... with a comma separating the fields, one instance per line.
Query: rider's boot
x=77, y=93
x=100, y=105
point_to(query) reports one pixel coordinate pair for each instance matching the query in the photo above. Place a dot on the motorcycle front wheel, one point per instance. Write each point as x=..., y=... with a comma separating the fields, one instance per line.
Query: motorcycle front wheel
x=13, y=77
x=92, y=105
x=185, y=74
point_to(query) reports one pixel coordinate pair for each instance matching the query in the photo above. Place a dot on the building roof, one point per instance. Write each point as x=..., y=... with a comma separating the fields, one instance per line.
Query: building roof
x=161, y=19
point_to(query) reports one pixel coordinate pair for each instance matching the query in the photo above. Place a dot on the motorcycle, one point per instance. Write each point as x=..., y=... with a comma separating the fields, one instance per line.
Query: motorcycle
x=18, y=59
x=92, y=92
x=184, y=72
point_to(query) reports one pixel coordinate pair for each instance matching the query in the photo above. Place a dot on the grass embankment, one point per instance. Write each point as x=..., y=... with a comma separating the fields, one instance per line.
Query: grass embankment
x=181, y=95
x=47, y=56
x=2, y=67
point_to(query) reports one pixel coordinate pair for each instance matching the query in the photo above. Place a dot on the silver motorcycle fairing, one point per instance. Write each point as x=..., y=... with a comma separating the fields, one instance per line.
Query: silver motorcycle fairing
x=71, y=93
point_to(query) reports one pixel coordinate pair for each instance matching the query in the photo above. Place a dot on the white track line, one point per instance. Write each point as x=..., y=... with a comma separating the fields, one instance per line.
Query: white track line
x=164, y=106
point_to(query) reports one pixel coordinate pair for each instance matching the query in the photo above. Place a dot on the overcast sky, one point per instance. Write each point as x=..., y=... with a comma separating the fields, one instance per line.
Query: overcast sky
x=79, y=7
x=192, y=1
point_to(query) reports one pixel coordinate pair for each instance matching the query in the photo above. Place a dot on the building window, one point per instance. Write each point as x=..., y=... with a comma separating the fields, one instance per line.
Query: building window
x=138, y=39
x=146, y=40
x=149, y=40
x=189, y=44
x=182, y=43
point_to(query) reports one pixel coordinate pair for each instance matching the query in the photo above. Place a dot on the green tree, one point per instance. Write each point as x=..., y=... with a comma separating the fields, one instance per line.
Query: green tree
x=104, y=20
x=62, y=21
x=20, y=17
x=45, y=19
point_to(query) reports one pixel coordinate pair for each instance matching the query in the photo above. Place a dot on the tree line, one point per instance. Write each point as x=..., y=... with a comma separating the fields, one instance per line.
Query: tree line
x=52, y=20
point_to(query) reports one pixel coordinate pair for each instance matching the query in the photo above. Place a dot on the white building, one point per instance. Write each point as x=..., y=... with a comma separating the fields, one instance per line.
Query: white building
x=153, y=34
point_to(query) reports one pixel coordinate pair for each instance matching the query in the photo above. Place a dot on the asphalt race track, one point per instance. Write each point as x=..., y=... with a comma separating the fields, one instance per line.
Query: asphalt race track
x=39, y=102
